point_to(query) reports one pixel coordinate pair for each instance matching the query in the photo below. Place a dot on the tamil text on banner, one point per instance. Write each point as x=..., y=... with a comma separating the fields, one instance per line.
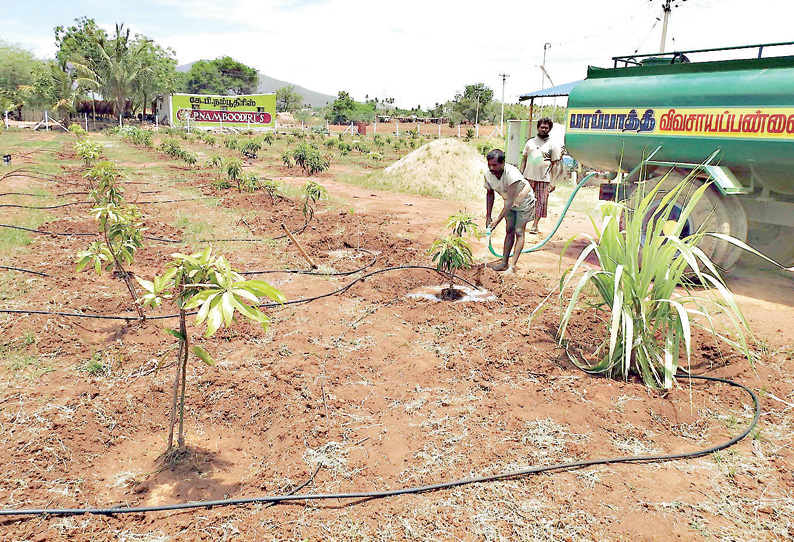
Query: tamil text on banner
x=251, y=110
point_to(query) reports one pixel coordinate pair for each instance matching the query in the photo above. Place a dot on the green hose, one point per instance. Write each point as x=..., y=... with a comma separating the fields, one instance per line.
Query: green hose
x=556, y=226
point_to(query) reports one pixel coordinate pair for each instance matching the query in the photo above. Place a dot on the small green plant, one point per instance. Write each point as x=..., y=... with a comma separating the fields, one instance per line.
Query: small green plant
x=312, y=193
x=221, y=184
x=288, y=159
x=308, y=157
x=231, y=143
x=463, y=223
x=89, y=151
x=649, y=323
x=250, y=148
x=251, y=182
x=207, y=282
x=95, y=366
x=122, y=229
x=271, y=187
x=215, y=161
x=135, y=135
x=450, y=254
x=78, y=131
x=268, y=138
x=375, y=156
x=171, y=147
x=190, y=158
x=469, y=134
x=234, y=170
x=103, y=179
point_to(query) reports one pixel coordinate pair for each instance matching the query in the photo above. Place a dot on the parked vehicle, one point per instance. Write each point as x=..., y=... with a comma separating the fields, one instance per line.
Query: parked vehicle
x=660, y=118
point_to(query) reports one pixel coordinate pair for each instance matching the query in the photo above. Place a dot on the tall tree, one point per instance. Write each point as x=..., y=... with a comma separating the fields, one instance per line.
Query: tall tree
x=472, y=101
x=21, y=77
x=120, y=64
x=161, y=78
x=221, y=76
x=79, y=41
x=287, y=99
x=342, y=109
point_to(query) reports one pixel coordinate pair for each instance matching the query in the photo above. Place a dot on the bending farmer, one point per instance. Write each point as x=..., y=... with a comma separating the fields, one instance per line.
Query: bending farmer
x=541, y=166
x=519, y=207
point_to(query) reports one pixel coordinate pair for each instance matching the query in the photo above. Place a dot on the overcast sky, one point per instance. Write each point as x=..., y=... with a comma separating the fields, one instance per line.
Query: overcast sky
x=418, y=52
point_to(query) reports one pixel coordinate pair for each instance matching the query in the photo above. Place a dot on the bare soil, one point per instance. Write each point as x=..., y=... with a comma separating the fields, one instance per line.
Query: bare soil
x=367, y=390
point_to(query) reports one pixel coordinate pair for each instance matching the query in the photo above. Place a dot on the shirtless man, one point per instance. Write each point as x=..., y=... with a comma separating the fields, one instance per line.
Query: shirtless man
x=519, y=207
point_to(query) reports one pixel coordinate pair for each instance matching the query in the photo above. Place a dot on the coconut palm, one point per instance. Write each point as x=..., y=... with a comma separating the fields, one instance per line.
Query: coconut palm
x=120, y=63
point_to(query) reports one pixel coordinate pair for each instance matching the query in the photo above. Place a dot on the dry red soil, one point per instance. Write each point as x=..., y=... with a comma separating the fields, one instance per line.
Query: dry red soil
x=368, y=390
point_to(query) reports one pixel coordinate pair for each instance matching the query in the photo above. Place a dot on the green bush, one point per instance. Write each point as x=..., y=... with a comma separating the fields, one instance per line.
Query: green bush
x=308, y=157
x=88, y=150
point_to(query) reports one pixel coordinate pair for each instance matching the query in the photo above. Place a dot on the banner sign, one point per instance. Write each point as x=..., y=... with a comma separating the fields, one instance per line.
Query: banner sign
x=734, y=122
x=252, y=110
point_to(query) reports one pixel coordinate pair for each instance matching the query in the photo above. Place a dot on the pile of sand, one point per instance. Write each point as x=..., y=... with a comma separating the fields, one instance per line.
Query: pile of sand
x=285, y=119
x=444, y=168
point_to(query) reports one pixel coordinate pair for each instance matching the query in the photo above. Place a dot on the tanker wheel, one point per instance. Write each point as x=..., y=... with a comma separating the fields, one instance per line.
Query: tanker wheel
x=713, y=213
x=772, y=241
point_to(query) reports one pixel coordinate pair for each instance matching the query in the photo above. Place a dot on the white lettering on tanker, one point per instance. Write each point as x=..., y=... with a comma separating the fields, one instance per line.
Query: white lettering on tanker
x=744, y=122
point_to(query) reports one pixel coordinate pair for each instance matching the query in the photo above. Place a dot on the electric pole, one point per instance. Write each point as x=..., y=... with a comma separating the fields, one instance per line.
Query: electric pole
x=504, y=77
x=666, y=9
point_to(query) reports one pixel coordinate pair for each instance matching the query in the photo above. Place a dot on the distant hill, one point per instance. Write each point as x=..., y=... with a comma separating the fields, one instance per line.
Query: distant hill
x=268, y=85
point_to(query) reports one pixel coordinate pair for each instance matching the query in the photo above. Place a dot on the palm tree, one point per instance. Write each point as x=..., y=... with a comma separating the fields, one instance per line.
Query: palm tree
x=65, y=92
x=119, y=65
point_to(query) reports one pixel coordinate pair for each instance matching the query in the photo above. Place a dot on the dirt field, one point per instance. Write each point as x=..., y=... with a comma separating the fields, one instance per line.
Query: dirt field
x=365, y=391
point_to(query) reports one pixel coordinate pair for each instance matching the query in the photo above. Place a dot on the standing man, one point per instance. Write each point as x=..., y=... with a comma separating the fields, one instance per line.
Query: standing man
x=541, y=167
x=518, y=209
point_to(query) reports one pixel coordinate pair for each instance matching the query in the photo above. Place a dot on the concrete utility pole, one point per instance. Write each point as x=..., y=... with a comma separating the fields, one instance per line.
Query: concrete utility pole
x=543, y=66
x=504, y=77
x=666, y=9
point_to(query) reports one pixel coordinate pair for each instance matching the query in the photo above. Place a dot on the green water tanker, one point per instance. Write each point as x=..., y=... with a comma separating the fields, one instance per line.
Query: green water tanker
x=660, y=118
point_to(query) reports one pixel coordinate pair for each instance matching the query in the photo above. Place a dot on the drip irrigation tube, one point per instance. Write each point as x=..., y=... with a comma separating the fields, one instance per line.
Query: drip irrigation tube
x=556, y=226
x=274, y=499
x=264, y=305
x=160, y=239
x=25, y=271
x=45, y=207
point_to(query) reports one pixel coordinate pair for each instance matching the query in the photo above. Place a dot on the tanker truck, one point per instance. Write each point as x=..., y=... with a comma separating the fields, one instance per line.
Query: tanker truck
x=660, y=118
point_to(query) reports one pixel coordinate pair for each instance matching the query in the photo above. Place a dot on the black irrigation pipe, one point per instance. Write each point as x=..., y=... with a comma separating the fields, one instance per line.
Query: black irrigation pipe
x=42, y=195
x=85, y=202
x=25, y=271
x=265, y=305
x=161, y=239
x=317, y=273
x=275, y=499
x=23, y=172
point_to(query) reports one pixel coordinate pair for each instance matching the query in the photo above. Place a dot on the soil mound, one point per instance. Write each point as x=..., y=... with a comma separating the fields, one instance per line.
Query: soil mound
x=444, y=168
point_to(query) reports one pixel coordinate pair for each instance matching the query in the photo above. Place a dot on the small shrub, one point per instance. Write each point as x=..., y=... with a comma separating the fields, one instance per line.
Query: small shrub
x=88, y=150
x=288, y=159
x=78, y=131
x=308, y=157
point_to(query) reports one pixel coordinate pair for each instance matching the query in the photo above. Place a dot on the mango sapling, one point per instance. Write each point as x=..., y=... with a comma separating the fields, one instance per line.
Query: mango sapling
x=312, y=193
x=451, y=254
x=120, y=225
x=208, y=282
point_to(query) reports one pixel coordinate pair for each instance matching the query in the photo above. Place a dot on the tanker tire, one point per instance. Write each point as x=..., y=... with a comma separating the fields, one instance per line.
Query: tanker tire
x=714, y=212
x=772, y=241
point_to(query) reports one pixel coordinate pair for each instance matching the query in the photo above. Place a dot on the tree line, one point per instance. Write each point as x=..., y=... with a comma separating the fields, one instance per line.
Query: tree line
x=120, y=74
